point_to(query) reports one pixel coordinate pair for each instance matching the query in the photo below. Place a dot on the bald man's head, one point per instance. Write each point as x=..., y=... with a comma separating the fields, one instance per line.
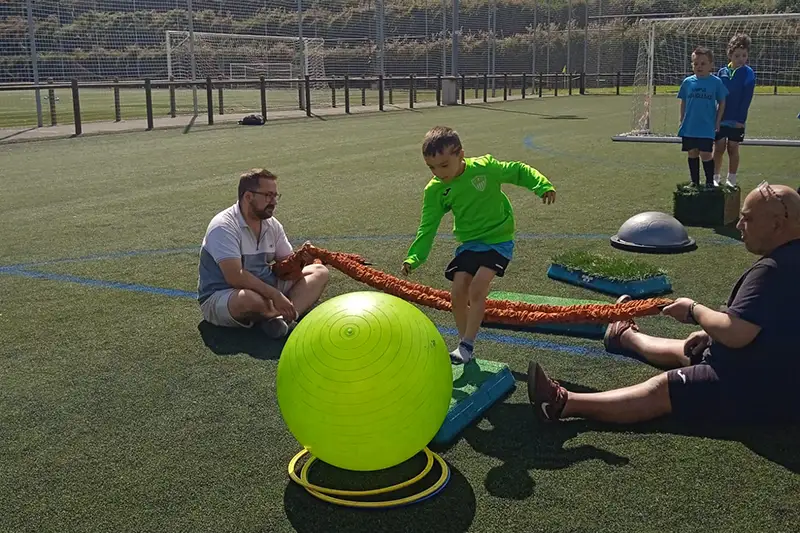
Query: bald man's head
x=770, y=217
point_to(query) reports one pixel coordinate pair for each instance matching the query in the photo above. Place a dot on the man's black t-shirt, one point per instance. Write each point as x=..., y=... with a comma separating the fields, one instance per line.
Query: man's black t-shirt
x=768, y=295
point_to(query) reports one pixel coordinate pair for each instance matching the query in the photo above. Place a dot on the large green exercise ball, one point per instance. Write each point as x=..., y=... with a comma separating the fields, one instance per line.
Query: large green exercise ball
x=364, y=381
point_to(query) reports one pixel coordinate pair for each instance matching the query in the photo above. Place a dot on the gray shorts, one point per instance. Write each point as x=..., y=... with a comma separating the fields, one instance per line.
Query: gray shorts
x=215, y=308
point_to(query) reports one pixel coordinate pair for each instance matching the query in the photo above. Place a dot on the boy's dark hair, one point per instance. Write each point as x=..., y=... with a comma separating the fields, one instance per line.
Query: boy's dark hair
x=438, y=139
x=740, y=40
x=704, y=51
x=249, y=180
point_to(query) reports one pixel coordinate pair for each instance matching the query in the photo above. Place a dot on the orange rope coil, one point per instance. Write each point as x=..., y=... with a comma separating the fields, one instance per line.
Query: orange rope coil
x=497, y=311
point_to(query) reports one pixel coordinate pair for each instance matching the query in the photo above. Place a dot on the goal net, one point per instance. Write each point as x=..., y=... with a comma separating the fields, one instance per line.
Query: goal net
x=240, y=56
x=664, y=60
x=252, y=71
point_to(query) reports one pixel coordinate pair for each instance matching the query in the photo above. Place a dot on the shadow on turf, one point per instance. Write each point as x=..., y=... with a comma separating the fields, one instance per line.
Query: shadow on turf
x=451, y=511
x=234, y=341
x=524, y=443
x=729, y=231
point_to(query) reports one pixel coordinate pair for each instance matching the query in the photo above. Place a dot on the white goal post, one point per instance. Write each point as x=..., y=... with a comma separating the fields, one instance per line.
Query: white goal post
x=664, y=60
x=218, y=55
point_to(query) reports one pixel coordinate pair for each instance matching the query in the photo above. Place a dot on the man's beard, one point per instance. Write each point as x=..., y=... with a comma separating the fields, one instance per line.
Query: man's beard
x=263, y=214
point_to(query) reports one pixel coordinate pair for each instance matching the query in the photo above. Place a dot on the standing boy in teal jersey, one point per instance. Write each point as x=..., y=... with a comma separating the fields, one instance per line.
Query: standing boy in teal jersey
x=483, y=221
x=702, y=98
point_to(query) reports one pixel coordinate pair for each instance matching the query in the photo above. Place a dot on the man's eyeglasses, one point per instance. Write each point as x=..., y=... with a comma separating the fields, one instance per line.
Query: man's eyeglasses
x=268, y=195
x=764, y=187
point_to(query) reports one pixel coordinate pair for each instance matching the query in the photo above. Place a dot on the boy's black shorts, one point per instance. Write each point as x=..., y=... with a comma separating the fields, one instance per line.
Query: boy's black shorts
x=732, y=134
x=470, y=261
x=699, y=143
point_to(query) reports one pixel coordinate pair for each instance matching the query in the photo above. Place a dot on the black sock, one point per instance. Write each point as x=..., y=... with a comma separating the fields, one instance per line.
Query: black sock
x=708, y=167
x=694, y=169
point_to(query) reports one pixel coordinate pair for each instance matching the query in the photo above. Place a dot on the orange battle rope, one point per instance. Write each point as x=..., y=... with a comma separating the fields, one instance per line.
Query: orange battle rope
x=497, y=311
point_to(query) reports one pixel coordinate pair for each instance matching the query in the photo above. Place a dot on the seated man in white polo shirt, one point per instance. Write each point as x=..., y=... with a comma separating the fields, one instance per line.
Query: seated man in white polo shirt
x=237, y=287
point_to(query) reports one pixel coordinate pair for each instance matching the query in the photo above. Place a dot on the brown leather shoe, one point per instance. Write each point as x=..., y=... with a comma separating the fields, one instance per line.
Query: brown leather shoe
x=614, y=331
x=546, y=395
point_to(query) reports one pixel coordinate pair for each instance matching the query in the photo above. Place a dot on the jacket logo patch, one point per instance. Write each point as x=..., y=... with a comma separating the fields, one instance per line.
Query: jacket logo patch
x=479, y=182
x=446, y=191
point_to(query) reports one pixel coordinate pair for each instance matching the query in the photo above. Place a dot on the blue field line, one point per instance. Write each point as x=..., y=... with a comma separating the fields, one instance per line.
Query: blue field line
x=717, y=239
x=572, y=349
x=135, y=287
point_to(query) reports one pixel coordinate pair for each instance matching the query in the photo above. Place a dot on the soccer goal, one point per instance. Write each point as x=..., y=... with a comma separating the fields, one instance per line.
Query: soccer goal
x=664, y=60
x=231, y=55
x=252, y=71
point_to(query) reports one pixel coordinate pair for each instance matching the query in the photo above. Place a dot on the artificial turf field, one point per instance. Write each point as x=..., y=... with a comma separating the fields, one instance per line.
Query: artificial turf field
x=121, y=411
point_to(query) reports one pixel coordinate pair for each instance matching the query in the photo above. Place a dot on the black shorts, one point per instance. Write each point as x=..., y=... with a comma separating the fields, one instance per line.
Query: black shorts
x=735, y=135
x=702, y=393
x=699, y=143
x=470, y=261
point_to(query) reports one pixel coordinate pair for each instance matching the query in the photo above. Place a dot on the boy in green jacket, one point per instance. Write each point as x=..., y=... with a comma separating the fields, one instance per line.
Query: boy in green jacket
x=483, y=222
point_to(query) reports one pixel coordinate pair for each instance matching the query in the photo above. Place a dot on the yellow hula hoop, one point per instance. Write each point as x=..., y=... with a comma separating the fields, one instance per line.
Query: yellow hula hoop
x=327, y=494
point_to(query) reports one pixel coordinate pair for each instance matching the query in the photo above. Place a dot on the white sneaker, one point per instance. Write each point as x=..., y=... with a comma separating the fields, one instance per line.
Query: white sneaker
x=730, y=181
x=717, y=180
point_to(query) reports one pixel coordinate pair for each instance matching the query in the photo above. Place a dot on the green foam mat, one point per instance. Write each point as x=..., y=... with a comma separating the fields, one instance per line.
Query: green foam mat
x=476, y=387
x=594, y=331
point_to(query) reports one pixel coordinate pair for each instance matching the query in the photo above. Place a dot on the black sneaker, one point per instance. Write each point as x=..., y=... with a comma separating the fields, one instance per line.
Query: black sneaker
x=275, y=328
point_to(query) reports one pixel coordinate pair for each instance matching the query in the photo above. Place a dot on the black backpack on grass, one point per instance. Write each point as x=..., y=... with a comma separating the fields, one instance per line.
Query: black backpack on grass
x=252, y=120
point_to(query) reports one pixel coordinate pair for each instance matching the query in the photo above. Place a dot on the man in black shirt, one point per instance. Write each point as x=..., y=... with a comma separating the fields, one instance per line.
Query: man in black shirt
x=742, y=366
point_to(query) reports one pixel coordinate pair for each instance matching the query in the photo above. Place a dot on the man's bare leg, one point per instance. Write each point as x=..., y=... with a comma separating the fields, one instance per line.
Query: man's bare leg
x=637, y=403
x=307, y=291
x=660, y=352
x=249, y=306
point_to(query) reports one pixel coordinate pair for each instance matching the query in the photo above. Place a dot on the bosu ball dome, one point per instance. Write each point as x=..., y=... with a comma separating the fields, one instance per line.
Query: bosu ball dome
x=653, y=232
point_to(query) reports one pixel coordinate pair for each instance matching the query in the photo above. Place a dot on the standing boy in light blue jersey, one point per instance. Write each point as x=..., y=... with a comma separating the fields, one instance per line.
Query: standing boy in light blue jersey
x=483, y=221
x=740, y=80
x=702, y=98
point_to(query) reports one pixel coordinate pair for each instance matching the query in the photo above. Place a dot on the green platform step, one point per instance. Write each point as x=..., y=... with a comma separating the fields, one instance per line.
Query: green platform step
x=476, y=387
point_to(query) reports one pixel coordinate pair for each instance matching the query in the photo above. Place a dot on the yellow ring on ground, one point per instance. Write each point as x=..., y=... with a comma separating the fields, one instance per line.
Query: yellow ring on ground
x=323, y=492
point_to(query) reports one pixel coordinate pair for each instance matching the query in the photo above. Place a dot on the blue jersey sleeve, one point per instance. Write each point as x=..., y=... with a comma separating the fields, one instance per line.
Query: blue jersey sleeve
x=747, y=94
x=722, y=91
x=683, y=90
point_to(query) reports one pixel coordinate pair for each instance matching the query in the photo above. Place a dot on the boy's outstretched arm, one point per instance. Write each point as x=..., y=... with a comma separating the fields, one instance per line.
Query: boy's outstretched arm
x=432, y=213
x=523, y=175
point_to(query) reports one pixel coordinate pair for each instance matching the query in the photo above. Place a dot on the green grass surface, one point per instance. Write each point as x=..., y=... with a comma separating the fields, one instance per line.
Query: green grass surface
x=121, y=411
x=610, y=267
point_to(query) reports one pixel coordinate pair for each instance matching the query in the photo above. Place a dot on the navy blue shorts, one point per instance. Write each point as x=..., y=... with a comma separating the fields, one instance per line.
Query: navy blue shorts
x=699, y=143
x=702, y=393
x=735, y=135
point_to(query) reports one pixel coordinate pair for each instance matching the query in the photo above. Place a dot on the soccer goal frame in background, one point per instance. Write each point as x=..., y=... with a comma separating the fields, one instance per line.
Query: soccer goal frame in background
x=193, y=55
x=664, y=60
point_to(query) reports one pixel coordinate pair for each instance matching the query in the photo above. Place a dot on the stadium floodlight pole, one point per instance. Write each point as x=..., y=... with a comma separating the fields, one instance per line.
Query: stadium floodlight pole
x=599, y=36
x=444, y=37
x=34, y=62
x=454, y=51
x=585, y=34
x=650, y=67
x=379, y=27
x=191, y=55
x=303, y=66
x=568, y=66
x=535, y=32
